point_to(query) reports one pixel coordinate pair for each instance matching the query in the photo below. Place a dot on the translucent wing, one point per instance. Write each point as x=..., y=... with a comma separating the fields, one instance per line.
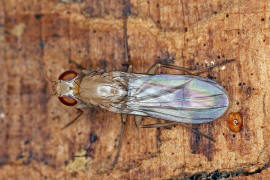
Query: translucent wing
x=181, y=98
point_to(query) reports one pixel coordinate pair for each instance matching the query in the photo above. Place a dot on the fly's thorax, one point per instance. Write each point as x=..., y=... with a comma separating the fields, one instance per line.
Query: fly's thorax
x=101, y=90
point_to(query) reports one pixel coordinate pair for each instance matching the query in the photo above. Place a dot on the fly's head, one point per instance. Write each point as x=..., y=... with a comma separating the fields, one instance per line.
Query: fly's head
x=67, y=87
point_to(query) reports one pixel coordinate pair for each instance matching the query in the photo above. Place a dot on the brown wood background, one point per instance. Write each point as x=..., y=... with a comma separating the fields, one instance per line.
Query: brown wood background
x=38, y=38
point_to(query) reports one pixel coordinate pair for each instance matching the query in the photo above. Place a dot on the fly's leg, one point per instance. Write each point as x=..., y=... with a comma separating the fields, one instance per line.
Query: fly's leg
x=125, y=40
x=138, y=121
x=76, y=64
x=85, y=71
x=222, y=63
x=124, y=118
x=129, y=69
x=158, y=65
x=155, y=67
x=126, y=55
x=176, y=123
x=80, y=112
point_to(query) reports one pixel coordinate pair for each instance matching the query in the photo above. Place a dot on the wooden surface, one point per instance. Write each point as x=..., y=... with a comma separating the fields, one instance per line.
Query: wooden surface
x=38, y=38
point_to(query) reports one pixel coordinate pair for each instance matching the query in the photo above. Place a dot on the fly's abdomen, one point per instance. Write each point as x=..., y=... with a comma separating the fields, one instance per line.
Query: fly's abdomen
x=188, y=99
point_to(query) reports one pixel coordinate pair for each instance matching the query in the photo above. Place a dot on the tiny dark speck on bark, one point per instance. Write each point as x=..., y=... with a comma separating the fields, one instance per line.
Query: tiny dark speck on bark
x=93, y=137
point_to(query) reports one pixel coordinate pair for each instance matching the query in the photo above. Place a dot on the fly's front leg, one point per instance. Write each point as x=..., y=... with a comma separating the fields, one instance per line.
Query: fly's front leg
x=158, y=65
x=124, y=118
x=80, y=112
x=85, y=71
x=76, y=64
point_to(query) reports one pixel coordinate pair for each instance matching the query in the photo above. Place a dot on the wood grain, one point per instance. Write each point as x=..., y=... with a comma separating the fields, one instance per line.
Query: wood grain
x=40, y=39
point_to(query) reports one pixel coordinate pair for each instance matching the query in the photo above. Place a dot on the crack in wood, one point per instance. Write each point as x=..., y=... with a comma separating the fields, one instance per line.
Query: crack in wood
x=217, y=174
x=264, y=110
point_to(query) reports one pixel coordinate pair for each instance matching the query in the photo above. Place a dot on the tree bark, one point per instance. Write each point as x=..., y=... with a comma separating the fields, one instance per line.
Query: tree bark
x=40, y=39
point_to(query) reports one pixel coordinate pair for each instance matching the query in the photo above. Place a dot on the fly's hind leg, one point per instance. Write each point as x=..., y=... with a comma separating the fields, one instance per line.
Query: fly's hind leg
x=166, y=64
x=138, y=120
x=176, y=123
x=153, y=69
x=85, y=71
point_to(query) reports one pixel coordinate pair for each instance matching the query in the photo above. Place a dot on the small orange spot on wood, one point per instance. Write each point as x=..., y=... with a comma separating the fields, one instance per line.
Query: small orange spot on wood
x=235, y=121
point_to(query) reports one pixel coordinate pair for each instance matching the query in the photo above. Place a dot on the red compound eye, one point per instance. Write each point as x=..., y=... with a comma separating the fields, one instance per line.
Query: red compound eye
x=68, y=75
x=66, y=100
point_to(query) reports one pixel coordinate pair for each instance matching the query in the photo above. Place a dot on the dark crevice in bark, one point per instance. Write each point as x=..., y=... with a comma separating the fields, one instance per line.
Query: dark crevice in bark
x=215, y=175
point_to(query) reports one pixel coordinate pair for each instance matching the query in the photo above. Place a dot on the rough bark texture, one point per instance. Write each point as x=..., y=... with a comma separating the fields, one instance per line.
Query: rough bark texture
x=38, y=40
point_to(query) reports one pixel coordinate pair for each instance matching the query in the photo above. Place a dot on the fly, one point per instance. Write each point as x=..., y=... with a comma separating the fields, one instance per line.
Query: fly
x=179, y=98
x=176, y=98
